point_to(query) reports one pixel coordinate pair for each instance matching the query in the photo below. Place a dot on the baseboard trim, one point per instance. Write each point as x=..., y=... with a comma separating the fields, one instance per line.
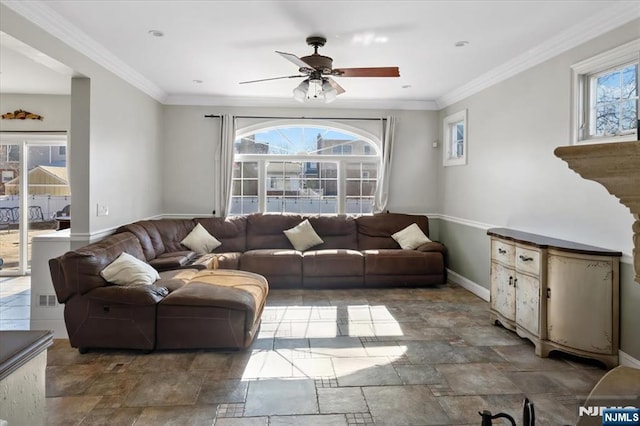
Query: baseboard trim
x=627, y=360
x=469, y=285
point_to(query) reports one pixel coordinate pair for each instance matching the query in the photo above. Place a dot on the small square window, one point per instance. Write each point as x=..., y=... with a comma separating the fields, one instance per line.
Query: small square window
x=605, y=96
x=455, y=139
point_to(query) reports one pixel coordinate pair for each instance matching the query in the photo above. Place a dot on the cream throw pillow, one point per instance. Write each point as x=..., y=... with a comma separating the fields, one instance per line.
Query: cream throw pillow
x=411, y=237
x=200, y=240
x=129, y=270
x=303, y=236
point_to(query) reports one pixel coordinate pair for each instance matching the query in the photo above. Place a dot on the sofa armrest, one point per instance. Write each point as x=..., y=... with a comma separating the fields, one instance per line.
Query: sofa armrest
x=433, y=246
x=174, y=260
x=141, y=295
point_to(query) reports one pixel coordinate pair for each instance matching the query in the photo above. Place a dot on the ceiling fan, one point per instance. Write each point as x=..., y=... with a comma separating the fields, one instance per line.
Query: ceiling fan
x=319, y=69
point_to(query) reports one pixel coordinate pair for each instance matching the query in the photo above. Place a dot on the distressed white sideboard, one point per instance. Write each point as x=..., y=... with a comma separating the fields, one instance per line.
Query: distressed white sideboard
x=558, y=294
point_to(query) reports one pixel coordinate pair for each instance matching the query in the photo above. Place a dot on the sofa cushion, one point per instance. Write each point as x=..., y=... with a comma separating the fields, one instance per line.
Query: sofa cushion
x=266, y=231
x=337, y=232
x=229, y=260
x=82, y=267
x=401, y=262
x=411, y=237
x=175, y=278
x=374, y=232
x=281, y=267
x=150, y=236
x=338, y=262
x=230, y=231
x=127, y=270
x=200, y=240
x=332, y=268
x=172, y=232
x=302, y=236
x=146, y=241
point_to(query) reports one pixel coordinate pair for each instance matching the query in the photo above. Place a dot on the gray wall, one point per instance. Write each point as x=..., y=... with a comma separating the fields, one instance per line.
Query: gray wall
x=514, y=180
x=114, y=140
x=191, y=141
x=54, y=109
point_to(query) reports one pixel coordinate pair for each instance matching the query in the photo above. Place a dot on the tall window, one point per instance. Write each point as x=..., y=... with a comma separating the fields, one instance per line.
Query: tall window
x=605, y=96
x=304, y=169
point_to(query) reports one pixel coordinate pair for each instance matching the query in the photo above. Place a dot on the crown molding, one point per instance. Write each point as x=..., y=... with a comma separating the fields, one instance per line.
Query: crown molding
x=40, y=14
x=389, y=104
x=609, y=19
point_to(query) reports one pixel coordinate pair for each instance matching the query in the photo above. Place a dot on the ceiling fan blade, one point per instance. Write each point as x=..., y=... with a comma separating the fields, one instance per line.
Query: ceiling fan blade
x=335, y=85
x=272, y=78
x=295, y=60
x=367, y=72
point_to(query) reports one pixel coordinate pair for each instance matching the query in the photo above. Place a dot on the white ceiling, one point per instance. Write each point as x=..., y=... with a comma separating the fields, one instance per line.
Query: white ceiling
x=224, y=42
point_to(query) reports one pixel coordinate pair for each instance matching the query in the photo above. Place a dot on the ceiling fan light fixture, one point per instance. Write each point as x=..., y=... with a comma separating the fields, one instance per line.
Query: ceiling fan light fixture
x=300, y=92
x=330, y=93
x=315, y=89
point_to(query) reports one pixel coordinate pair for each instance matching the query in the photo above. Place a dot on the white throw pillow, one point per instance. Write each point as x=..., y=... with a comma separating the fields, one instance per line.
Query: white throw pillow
x=303, y=236
x=200, y=241
x=129, y=270
x=411, y=237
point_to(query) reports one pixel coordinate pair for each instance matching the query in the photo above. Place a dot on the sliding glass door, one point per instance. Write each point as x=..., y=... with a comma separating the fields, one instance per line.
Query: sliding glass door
x=35, y=196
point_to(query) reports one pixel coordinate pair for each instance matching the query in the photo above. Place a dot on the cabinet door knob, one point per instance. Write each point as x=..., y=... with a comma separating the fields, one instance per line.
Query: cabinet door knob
x=501, y=251
x=515, y=282
x=525, y=258
x=510, y=280
x=548, y=293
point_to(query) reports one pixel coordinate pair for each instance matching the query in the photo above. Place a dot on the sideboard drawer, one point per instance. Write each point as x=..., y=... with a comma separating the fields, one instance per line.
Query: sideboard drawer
x=528, y=260
x=503, y=252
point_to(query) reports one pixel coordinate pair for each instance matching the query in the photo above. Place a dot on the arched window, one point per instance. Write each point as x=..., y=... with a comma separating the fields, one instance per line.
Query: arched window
x=311, y=169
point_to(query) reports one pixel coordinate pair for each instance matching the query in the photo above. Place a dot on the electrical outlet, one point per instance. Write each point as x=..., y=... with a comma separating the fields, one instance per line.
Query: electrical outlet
x=47, y=300
x=102, y=210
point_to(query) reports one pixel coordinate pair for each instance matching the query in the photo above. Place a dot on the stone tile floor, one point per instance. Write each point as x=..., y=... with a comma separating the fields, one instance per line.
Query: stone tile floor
x=15, y=303
x=329, y=357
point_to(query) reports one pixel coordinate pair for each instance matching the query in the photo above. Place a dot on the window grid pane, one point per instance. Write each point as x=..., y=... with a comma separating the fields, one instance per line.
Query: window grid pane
x=244, y=188
x=615, y=99
x=456, y=150
x=360, y=187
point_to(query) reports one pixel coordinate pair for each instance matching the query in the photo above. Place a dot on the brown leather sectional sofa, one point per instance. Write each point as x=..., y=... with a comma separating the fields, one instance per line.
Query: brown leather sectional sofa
x=357, y=252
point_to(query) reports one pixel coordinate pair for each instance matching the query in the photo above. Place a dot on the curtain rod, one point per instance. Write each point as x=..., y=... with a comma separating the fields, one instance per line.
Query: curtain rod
x=300, y=118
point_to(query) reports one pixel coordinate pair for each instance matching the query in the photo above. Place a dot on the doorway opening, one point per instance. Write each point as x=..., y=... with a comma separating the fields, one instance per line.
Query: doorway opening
x=35, y=196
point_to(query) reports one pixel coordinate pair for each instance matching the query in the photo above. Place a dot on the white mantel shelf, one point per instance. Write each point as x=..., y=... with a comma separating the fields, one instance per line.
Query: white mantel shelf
x=617, y=167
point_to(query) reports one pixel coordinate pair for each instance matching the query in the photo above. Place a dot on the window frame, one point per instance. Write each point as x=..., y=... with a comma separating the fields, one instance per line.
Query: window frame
x=341, y=160
x=448, y=124
x=581, y=88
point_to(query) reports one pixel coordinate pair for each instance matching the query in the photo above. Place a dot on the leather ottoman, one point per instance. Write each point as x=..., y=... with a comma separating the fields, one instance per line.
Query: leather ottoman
x=216, y=309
